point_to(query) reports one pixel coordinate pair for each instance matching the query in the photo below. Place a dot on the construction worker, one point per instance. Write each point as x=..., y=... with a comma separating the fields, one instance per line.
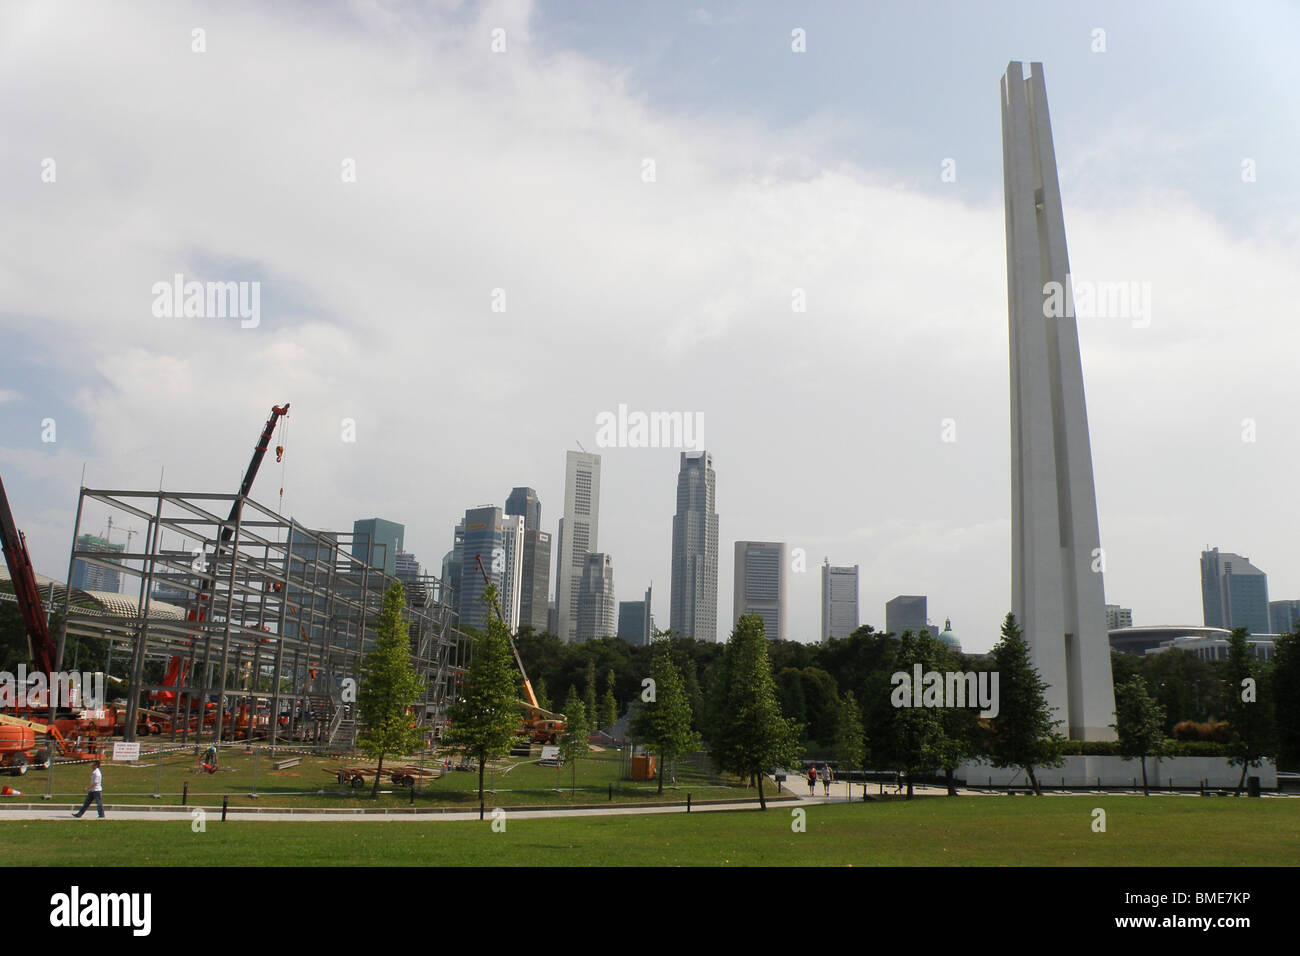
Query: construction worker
x=94, y=792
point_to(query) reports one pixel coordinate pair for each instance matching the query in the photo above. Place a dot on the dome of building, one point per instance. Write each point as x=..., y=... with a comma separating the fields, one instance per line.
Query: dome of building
x=947, y=636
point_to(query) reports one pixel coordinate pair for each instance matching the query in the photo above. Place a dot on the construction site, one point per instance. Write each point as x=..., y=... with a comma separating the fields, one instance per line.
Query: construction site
x=234, y=623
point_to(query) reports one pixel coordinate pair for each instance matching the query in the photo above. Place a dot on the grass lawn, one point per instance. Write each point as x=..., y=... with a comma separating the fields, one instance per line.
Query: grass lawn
x=1009, y=831
x=514, y=781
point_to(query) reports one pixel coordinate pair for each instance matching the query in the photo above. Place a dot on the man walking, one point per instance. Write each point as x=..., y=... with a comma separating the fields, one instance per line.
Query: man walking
x=94, y=792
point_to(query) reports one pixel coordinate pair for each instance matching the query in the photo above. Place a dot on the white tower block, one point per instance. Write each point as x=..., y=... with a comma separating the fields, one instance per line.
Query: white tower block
x=1056, y=582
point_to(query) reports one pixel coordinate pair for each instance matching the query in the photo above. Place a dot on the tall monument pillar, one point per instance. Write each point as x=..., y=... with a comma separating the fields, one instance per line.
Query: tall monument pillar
x=1056, y=586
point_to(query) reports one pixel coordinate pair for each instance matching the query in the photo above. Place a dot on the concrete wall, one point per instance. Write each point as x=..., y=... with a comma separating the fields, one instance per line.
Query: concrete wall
x=1182, y=772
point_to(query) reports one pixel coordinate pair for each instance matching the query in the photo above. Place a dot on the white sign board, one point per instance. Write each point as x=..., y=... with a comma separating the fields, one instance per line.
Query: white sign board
x=125, y=752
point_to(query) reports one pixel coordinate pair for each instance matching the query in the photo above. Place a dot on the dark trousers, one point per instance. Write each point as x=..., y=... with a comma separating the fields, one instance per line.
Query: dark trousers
x=99, y=802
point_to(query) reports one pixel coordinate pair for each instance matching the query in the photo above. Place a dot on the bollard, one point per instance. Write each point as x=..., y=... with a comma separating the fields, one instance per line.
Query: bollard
x=225, y=799
x=157, y=788
x=611, y=793
x=688, y=803
x=412, y=791
x=185, y=793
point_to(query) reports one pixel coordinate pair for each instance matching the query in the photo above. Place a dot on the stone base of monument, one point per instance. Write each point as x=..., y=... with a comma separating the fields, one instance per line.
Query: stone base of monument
x=1176, y=773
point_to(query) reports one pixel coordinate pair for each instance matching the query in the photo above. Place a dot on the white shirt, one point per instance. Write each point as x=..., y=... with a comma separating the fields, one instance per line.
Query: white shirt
x=96, y=780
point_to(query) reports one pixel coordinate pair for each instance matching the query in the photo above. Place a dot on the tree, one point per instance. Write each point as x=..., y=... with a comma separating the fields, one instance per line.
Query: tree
x=913, y=737
x=539, y=691
x=1139, y=722
x=577, y=729
x=1024, y=732
x=665, y=722
x=589, y=694
x=609, y=703
x=748, y=735
x=486, y=718
x=1286, y=699
x=1247, y=721
x=389, y=686
x=850, y=739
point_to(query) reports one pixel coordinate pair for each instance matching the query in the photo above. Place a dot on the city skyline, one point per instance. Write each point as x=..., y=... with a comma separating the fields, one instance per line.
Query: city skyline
x=774, y=174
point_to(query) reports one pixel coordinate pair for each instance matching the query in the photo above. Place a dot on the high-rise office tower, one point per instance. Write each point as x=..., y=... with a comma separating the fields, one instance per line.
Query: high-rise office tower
x=512, y=541
x=1283, y=616
x=376, y=542
x=907, y=612
x=452, y=564
x=760, y=585
x=536, y=576
x=635, y=622
x=524, y=501
x=1234, y=593
x=578, y=535
x=93, y=577
x=596, y=598
x=693, y=608
x=484, y=537
x=839, y=601
x=1056, y=586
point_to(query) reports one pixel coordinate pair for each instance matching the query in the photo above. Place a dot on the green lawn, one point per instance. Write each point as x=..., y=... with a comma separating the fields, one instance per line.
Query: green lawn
x=1051, y=831
x=514, y=781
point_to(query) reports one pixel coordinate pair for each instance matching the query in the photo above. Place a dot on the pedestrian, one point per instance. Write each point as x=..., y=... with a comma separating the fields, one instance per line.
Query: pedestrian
x=94, y=792
x=826, y=778
x=812, y=780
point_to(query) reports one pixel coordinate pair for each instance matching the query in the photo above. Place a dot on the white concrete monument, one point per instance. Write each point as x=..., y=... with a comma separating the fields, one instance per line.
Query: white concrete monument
x=1056, y=558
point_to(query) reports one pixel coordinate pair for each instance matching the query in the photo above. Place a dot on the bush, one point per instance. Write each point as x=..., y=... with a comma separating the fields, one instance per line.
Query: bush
x=1172, y=748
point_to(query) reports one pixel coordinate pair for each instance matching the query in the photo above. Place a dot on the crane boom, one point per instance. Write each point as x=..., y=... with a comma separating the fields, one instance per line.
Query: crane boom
x=259, y=452
x=40, y=644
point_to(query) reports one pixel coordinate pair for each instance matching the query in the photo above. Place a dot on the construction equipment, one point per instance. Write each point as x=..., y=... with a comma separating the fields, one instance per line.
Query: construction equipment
x=177, y=670
x=540, y=725
x=40, y=645
x=19, y=749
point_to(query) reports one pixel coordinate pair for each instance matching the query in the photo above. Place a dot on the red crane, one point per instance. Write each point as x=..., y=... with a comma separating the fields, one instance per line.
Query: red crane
x=40, y=644
x=178, y=669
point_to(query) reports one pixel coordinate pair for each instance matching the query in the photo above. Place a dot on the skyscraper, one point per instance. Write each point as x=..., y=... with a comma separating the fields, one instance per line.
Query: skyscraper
x=1283, y=616
x=484, y=537
x=1056, y=586
x=693, y=608
x=635, y=622
x=760, y=585
x=452, y=566
x=839, y=601
x=524, y=501
x=92, y=577
x=536, y=570
x=578, y=535
x=907, y=612
x=1234, y=593
x=376, y=542
x=596, y=598
x=512, y=542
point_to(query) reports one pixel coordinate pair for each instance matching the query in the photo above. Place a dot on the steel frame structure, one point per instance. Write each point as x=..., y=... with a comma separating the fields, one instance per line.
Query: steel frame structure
x=274, y=599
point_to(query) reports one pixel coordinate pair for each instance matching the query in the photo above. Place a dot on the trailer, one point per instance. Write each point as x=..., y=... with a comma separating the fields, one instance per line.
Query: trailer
x=402, y=775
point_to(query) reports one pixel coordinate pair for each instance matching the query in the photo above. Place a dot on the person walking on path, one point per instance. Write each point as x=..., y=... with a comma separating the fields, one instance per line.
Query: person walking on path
x=826, y=778
x=94, y=792
x=812, y=781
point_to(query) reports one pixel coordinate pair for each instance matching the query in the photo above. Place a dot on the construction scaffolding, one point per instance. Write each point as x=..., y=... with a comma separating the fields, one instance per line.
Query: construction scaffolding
x=257, y=627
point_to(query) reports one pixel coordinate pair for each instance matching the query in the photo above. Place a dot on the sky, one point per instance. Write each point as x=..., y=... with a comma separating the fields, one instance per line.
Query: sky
x=472, y=253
